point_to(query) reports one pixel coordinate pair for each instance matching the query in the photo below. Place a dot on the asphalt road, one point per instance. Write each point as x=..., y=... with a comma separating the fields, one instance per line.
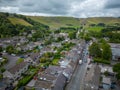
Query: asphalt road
x=11, y=61
x=77, y=81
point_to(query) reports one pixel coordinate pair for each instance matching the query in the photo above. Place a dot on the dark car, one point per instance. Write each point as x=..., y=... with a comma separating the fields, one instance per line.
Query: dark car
x=112, y=86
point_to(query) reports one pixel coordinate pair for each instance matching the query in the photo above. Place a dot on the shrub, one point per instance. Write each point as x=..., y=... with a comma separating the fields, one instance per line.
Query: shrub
x=99, y=60
x=25, y=80
x=2, y=70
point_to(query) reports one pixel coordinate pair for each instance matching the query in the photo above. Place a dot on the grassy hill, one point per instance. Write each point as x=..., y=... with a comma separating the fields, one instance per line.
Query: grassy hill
x=15, y=21
x=56, y=22
x=96, y=20
x=13, y=24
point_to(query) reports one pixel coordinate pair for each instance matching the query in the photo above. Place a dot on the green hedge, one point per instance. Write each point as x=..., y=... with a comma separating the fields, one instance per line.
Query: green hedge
x=25, y=80
x=99, y=60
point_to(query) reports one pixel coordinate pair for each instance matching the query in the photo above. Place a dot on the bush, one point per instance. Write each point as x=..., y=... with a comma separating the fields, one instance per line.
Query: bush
x=1, y=76
x=116, y=68
x=25, y=80
x=55, y=61
x=2, y=70
x=99, y=60
x=106, y=73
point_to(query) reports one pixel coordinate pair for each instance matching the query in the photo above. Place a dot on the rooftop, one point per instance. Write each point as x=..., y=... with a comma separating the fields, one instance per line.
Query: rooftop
x=54, y=70
x=116, y=51
x=114, y=45
x=17, y=67
x=60, y=82
x=106, y=80
x=43, y=84
x=47, y=77
x=92, y=77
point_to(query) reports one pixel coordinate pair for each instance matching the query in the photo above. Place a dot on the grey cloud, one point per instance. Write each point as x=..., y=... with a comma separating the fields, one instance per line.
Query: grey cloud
x=111, y=4
x=77, y=8
x=8, y=2
x=45, y=6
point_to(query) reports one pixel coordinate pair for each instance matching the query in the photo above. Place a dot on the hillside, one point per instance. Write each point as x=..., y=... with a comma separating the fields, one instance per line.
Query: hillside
x=57, y=22
x=14, y=24
x=96, y=20
x=15, y=21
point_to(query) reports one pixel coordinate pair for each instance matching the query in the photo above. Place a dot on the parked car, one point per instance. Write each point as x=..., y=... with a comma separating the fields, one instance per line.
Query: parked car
x=80, y=62
x=13, y=54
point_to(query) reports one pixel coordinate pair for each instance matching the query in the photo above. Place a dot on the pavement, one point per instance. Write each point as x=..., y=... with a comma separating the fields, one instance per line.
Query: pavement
x=77, y=80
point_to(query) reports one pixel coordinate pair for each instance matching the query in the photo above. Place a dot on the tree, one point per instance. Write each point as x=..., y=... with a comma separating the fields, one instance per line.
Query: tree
x=10, y=49
x=1, y=49
x=106, y=51
x=60, y=39
x=72, y=35
x=81, y=35
x=2, y=70
x=116, y=68
x=87, y=37
x=95, y=50
x=47, y=42
x=1, y=76
x=43, y=60
x=48, y=54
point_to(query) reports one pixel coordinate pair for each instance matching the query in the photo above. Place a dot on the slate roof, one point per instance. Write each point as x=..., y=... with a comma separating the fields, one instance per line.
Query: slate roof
x=116, y=51
x=60, y=82
x=54, y=70
x=52, y=79
x=43, y=84
x=47, y=77
x=17, y=67
x=92, y=78
x=34, y=56
x=106, y=80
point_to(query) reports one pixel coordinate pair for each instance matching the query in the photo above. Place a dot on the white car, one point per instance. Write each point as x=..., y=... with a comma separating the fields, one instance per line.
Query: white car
x=80, y=62
x=13, y=54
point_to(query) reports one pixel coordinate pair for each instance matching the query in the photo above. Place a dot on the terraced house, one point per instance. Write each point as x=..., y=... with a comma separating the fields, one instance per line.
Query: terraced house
x=16, y=71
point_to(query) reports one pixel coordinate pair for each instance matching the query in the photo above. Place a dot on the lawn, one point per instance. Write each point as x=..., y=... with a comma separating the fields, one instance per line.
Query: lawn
x=96, y=28
x=19, y=60
x=18, y=21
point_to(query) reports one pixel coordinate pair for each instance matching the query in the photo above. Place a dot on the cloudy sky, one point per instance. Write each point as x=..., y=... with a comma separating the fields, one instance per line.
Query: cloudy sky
x=75, y=8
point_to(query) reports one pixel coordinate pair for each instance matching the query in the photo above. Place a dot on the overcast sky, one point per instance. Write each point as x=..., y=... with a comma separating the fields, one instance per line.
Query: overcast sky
x=75, y=8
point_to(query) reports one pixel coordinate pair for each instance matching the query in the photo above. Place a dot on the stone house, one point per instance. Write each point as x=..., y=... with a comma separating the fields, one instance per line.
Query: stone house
x=16, y=71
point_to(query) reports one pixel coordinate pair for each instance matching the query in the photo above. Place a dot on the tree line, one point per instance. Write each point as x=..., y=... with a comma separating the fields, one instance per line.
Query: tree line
x=110, y=32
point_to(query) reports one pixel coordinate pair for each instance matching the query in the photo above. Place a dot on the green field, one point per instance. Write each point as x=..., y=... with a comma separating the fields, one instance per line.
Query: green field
x=96, y=20
x=18, y=21
x=96, y=28
x=57, y=22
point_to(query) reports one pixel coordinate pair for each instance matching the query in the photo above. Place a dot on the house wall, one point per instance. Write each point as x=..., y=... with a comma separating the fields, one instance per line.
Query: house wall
x=18, y=74
x=106, y=86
